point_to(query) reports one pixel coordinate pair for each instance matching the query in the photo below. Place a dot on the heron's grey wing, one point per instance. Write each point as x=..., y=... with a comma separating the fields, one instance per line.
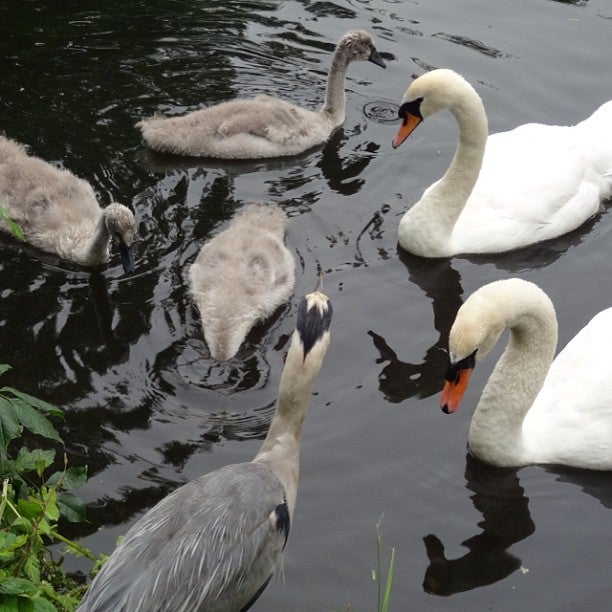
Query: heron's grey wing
x=211, y=545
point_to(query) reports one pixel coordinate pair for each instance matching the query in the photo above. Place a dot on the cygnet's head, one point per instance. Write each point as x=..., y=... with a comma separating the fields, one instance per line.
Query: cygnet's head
x=428, y=94
x=359, y=45
x=121, y=225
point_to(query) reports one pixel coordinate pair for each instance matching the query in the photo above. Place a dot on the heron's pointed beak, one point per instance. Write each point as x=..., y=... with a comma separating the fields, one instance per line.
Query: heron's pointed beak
x=376, y=59
x=409, y=124
x=456, y=383
x=126, y=258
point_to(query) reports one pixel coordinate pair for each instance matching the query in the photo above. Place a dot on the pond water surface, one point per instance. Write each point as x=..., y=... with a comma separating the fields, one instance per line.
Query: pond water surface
x=147, y=409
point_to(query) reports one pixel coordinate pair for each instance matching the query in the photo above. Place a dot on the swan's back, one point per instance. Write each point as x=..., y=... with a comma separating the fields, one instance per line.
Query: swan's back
x=570, y=421
x=537, y=182
x=260, y=127
x=56, y=210
x=241, y=276
x=30, y=187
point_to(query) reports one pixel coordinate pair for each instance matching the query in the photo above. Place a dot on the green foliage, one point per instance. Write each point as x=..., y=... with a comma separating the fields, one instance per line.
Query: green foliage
x=384, y=596
x=31, y=504
x=13, y=227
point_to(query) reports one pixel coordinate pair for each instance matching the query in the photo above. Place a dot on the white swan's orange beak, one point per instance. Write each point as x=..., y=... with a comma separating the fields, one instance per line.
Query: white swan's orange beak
x=454, y=389
x=409, y=124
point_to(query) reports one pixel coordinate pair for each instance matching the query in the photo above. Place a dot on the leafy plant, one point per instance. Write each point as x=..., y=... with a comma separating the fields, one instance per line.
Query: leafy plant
x=13, y=227
x=384, y=597
x=31, y=505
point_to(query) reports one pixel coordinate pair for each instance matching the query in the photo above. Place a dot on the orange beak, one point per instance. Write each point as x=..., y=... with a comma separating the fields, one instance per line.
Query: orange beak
x=453, y=390
x=408, y=126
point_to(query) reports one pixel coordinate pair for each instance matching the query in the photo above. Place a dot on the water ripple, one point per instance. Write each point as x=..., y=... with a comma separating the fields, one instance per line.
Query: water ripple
x=381, y=111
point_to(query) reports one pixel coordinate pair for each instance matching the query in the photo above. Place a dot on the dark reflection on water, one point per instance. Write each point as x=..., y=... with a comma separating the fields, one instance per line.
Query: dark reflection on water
x=596, y=484
x=501, y=500
x=441, y=283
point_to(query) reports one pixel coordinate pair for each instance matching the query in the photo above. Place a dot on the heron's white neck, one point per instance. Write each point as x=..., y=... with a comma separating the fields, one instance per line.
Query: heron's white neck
x=334, y=105
x=496, y=429
x=426, y=229
x=281, y=448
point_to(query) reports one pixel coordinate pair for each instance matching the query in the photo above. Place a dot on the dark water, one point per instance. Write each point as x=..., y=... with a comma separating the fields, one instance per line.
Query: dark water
x=146, y=407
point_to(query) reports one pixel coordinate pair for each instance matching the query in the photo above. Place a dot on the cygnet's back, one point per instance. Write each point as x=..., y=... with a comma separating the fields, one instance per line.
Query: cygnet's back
x=57, y=211
x=241, y=277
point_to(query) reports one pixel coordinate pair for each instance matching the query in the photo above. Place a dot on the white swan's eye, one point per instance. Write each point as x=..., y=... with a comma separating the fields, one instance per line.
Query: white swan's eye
x=410, y=108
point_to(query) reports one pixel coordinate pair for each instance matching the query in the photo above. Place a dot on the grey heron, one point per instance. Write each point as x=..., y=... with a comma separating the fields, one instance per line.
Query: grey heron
x=213, y=544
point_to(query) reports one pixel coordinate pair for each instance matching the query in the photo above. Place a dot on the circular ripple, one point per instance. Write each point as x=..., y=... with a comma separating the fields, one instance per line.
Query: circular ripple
x=381, y=111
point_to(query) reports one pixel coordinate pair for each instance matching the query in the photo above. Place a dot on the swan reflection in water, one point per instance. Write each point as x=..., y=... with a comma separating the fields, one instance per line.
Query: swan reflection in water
x=505, y=509
x=441, y=283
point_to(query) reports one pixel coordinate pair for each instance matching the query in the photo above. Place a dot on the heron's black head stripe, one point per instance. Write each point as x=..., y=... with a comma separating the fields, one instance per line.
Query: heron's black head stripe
x=312, y=323
x=452, y=373
x=414, y=108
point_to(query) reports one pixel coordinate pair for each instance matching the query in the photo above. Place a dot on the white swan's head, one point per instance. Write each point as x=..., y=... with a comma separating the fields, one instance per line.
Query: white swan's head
x=121, y=225
x=359, y=45
x=428, y=94
x=480, y=322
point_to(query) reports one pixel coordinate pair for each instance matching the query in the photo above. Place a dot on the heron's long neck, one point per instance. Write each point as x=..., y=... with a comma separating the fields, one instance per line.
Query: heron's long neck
x=95, y=250
x=496, y=430
x=426, y=229
x=281, y=448
x=335, y=97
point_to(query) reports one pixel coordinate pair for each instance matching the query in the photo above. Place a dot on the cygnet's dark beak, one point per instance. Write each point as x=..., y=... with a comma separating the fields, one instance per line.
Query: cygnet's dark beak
x=126, y=258
x=376, y=59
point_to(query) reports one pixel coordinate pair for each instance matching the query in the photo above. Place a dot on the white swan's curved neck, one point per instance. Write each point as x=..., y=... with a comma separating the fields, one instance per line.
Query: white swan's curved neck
x=334, y=104
x=496, y=430
x=433, y=218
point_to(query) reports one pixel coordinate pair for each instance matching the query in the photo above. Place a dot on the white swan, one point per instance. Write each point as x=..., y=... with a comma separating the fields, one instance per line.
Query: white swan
x=58, y=212
x=531, y=411
x=508, y=190
x=213, y=544
x=241, y=277
x=263, y=126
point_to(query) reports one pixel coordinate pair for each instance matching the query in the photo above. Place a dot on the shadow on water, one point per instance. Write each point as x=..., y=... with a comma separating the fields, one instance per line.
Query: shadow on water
x=538, y=255
x=595, y=484
x=441, y=283
x=501, y=500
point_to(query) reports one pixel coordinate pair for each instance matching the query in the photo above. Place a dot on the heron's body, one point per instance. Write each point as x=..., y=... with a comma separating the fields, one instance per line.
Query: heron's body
x=214, y=544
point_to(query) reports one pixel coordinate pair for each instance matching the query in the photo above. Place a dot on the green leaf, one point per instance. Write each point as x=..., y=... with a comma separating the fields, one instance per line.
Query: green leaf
x=17, y=586
x=33, y=460
x=10, y=426
x=72, y=478
x=13, y=227
x=11, y=603
x=29, y=508
x=42, y=605
x=34, y=401
x=31, y=569
x=34, y=421
x=22, y=525
x=4, y=367
x=71, y=507
x=51, y=510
